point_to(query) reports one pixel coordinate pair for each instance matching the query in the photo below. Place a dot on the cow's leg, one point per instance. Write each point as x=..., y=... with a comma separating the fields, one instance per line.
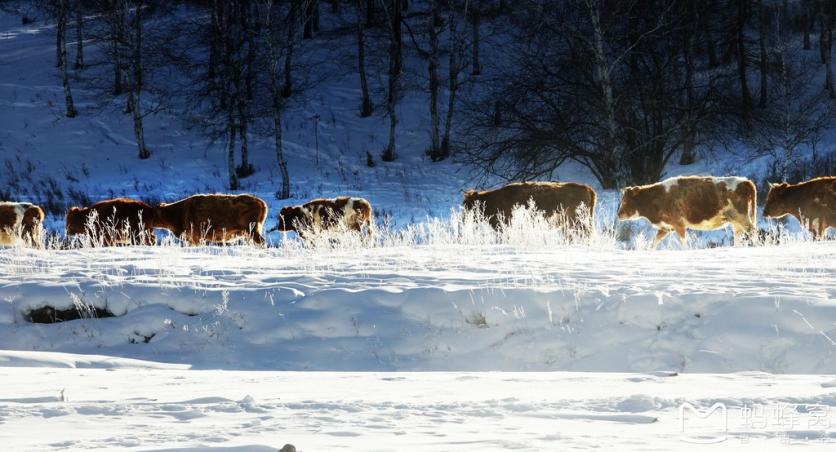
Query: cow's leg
x=660, y=235
x=148, y=238
x=257, y=239
x=683, y=235
x=816, y=230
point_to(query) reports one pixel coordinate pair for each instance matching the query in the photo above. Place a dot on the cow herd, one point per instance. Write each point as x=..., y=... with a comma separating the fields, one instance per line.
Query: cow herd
x=673, y=205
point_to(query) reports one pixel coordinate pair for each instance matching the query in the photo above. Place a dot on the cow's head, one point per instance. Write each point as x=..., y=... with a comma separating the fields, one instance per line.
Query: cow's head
x=470, y=199
x=776, y=205
x=291, y=218
x=628, y=208
x=76, y=221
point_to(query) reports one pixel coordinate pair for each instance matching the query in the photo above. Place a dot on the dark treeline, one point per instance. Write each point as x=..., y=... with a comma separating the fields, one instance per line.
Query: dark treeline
x=515, y=88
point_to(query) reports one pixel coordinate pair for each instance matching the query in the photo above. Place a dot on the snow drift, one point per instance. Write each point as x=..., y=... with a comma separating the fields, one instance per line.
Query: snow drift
x=436, y=306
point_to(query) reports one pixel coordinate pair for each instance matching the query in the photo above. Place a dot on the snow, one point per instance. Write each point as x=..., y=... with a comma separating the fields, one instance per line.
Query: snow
x=150, y=409
x=435, y=307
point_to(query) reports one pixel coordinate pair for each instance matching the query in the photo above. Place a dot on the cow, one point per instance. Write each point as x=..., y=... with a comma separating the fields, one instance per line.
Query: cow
x=215, y=218
x=812, y=202
x=113, y=222
x=20, y=221
x=557, y=200
x=319, y=215
x=693, y=202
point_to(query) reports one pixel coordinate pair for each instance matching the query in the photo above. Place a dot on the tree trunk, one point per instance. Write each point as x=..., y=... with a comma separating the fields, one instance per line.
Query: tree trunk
x=394, y=76
x=311, y=19
x=366, y=103
x=687, y=156
x=213, y=42
x=230, y=153
x=453, y=85
x=116, y=40
x=709, y=35
x=808, y=24
x=370, y=22
x=59, y=38
x=476, y=68
x=277, y=105
x=433, y=69
x=742, y=16
x=245, y=169
x=763, y=25
x=62, y=57
x=827, y=31
x=136, y=82
x=79, y=36
x=250, y=26
x=287, y=89
x=602, y=74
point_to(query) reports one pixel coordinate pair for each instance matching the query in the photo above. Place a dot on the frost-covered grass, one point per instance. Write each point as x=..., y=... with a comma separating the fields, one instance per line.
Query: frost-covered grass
x=444, y=295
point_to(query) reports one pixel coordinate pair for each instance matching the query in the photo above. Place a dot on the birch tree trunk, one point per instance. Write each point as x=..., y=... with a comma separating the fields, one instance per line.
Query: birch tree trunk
x=609, y=164
x=453, y=84
x=287, y=89
x=394, y=18
x=136, y=82
x=366, y=103
x=62, y=57
x=277, y=103
x=433, y=69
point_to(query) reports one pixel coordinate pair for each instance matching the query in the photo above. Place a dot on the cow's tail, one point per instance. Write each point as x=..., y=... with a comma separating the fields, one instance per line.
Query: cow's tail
x=753, y=206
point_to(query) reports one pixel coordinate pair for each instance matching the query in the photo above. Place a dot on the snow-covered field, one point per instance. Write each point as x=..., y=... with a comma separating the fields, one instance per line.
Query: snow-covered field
x=435, y=307
x=152, y=409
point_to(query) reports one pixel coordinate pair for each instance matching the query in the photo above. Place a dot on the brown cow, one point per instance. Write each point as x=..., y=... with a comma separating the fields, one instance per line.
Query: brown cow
x=215, y=218
x=20, y=221
x=320, y=215
x=119, y=221
x=812, y=201
x=692, y=202
x=554, y=199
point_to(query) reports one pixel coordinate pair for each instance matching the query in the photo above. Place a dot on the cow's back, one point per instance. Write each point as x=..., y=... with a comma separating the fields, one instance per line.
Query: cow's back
x=549, y=197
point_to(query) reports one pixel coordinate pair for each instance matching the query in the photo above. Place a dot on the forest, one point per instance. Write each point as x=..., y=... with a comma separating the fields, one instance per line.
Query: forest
x=514, y=88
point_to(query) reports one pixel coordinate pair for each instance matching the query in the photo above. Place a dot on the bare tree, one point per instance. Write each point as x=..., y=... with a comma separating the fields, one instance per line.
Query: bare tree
x=366, y=103
x=135, y=76
x=435, y=149
x=394, y=18
x=277, y=99
x=61, y=30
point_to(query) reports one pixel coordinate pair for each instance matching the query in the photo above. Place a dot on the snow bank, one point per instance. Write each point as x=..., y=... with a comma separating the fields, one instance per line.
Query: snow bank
x=435, y=307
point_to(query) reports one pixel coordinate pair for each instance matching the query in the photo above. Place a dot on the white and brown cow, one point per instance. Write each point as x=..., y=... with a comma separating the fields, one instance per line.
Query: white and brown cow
x=811, y=202
x=20, y=222
x=693, y=202
x=319, y=215
x=554, y=199
x=217, y=218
